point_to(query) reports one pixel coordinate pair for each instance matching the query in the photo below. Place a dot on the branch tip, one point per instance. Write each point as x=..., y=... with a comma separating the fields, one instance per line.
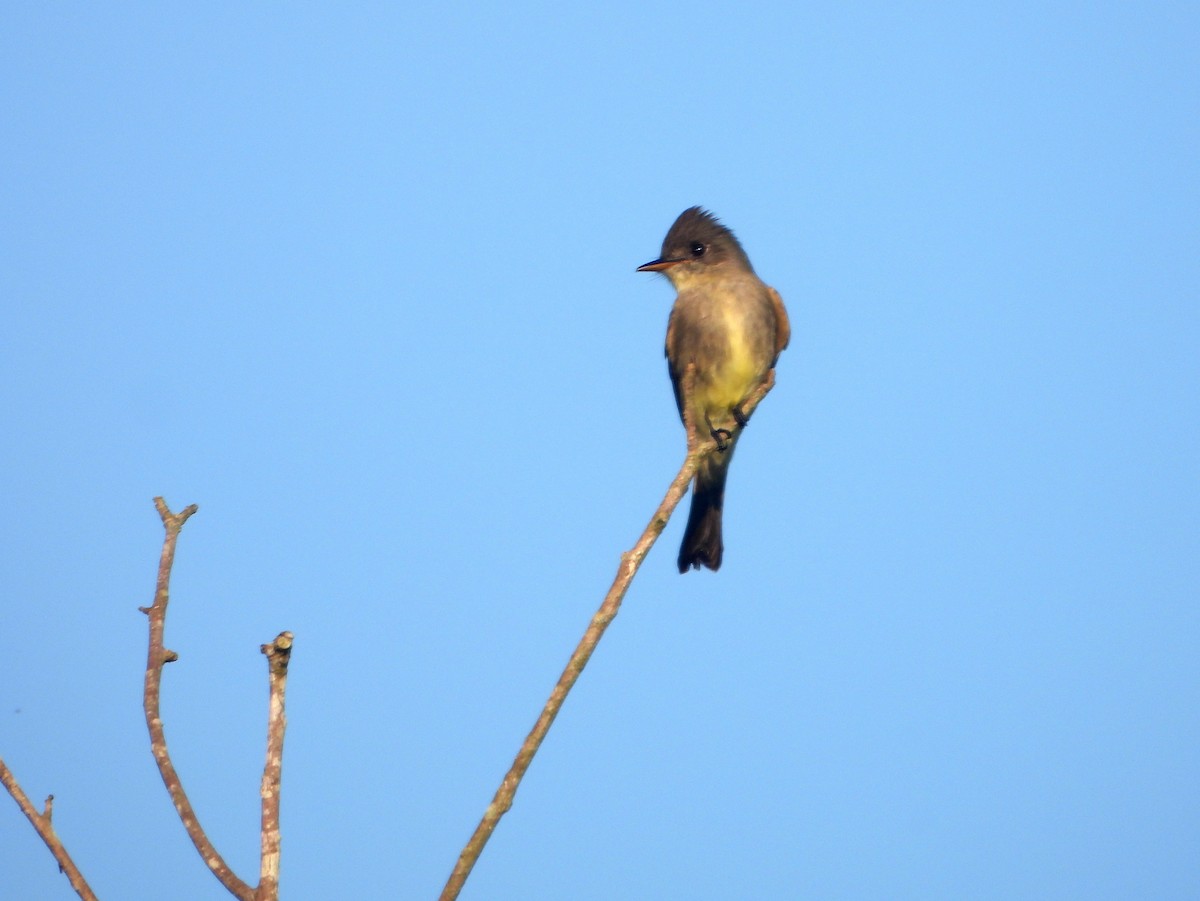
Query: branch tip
x=173, y=520
x=41, y=824
x=279, y=651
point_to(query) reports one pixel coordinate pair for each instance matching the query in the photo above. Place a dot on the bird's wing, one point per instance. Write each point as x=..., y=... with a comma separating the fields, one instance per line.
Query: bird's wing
x=783, y=328
x=672, y=356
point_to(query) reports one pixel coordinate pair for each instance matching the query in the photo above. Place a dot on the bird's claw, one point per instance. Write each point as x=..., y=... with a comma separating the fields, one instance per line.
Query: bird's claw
x=723, y=438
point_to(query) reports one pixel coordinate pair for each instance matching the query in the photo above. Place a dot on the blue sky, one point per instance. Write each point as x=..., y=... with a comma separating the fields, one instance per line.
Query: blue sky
x=359, y=281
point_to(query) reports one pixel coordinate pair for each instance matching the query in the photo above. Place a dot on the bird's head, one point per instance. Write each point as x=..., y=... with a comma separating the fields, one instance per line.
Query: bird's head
x=697, y=245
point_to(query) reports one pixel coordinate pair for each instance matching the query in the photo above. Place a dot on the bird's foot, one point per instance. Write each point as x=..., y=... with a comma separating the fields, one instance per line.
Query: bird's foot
x=723, y=437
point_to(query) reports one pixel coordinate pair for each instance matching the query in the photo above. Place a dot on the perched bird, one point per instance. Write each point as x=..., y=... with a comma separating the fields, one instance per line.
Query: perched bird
x=731, y=327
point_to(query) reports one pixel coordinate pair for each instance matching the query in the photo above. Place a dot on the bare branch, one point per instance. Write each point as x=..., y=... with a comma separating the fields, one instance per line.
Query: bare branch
x=279, y=654
x=41, y=822
x=630, y=562
x=156, y=657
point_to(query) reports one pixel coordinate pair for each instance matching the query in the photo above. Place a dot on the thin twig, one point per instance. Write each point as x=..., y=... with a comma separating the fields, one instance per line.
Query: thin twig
x=156, y=657
x=279, y=654
x=41, y=822
x=630, y=562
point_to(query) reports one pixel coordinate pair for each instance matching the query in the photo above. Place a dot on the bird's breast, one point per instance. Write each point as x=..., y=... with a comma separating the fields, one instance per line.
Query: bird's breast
x=743, y=360
x=721, y=330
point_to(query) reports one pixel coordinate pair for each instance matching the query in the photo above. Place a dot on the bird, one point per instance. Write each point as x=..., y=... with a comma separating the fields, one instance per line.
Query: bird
x=730, y=327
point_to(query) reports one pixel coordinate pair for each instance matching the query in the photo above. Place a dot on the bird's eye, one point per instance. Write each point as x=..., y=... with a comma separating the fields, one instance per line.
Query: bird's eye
x=697, y=249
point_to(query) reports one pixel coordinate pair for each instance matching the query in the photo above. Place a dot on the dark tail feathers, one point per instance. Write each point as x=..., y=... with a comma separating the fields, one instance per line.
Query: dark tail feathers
x=702, y=545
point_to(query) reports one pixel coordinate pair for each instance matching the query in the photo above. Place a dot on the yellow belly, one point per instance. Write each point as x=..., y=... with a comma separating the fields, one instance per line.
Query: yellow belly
x=729, y=384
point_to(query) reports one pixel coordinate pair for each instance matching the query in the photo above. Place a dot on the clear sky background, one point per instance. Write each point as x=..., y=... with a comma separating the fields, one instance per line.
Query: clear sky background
x=359, y=281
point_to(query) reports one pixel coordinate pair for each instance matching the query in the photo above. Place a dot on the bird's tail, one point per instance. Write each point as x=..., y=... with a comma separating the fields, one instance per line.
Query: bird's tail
x=702, y=545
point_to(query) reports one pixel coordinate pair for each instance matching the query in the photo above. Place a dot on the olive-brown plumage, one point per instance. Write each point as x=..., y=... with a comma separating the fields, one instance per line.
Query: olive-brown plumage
x=732, y=327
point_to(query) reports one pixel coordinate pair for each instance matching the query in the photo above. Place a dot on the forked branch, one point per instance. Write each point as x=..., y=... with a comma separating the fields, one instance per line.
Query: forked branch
x=278, y=654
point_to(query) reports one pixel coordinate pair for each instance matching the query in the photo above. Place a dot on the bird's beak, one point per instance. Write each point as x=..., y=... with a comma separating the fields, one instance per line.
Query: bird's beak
x=658, y=265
